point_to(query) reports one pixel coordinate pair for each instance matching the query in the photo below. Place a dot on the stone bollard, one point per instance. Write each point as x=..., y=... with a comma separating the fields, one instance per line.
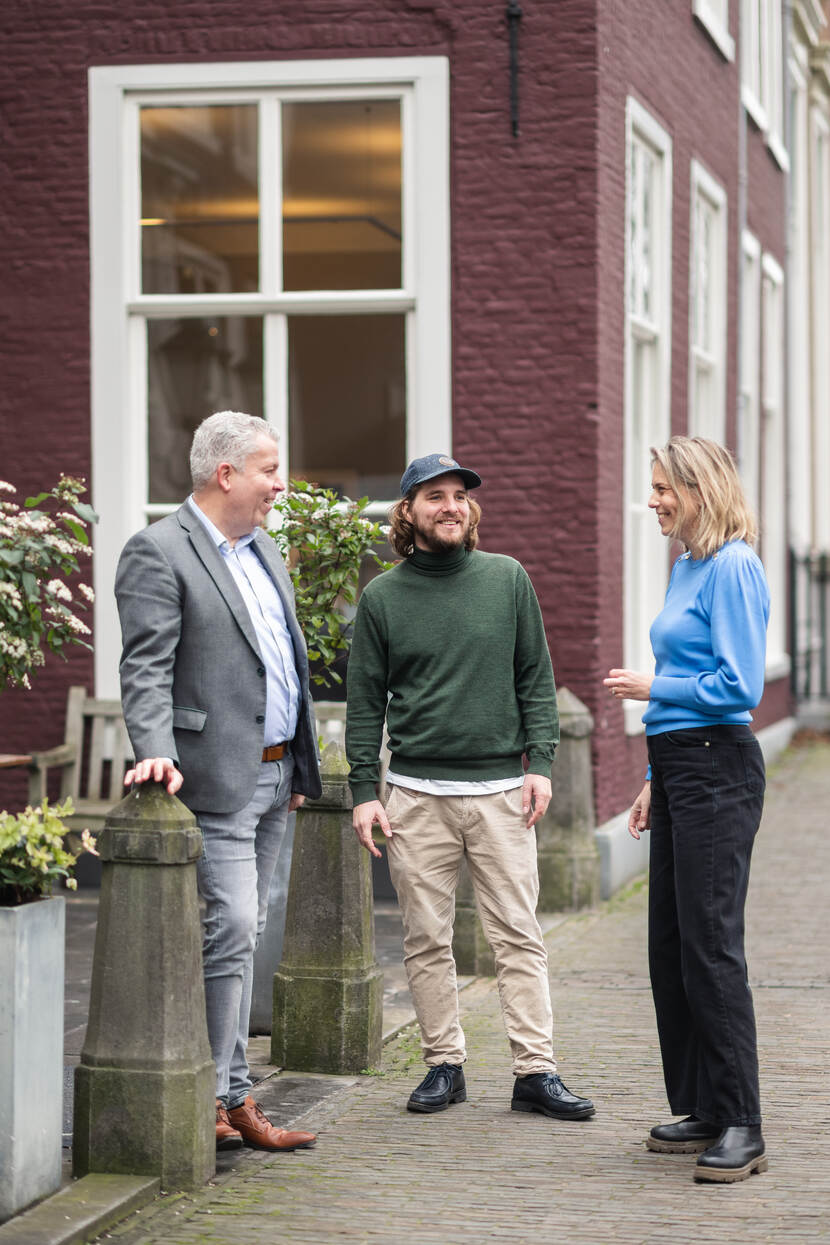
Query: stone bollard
x=269, y=945
x=473, y=957
x=145, y=1086
x=328, y=990
x=568, y=856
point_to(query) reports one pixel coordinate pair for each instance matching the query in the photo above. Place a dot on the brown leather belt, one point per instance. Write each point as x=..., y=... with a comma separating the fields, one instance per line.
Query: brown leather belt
x=275, y=753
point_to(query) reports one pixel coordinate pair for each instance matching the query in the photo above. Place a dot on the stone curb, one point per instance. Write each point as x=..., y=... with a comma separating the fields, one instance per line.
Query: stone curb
x=81, y=1211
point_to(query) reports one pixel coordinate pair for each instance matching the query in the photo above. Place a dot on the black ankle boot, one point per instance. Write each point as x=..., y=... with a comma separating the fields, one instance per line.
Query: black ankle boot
x=689, y=1136
x=738, y=1152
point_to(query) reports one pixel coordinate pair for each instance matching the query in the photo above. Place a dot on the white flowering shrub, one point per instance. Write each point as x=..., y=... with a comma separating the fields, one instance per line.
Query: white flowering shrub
x=41, y=546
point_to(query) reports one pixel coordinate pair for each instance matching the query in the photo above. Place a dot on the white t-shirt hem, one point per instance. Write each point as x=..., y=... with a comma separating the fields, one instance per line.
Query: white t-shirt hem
x=449, y=786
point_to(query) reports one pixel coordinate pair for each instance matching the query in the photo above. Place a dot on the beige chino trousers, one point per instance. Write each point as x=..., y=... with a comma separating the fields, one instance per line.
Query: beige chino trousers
x=430, y=834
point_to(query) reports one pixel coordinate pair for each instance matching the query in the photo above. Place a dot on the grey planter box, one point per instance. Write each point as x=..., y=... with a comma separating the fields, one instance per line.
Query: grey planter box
x=31, y=1051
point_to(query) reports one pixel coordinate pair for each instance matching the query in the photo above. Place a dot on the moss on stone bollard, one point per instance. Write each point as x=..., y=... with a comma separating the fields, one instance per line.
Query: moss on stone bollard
x=145, y=1086
x=567, y=853
x=328, y=990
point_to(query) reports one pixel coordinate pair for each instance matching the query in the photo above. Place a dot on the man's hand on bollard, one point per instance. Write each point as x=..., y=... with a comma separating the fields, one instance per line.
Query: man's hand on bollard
x=536, y=793
x=364, y=816
x=157, y=769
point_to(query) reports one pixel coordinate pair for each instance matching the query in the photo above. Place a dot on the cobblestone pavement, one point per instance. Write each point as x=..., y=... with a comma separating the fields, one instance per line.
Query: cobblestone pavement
x=478, y=1172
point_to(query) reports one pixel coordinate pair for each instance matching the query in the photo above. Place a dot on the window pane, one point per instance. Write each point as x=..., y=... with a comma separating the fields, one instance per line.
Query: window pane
x=342, y=195
x=195, y=367
x=347, y=402
x=199, y=199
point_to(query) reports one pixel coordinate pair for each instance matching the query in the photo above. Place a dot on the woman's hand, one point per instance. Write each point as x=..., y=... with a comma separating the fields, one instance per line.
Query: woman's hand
x=640, y=816
x=628, y=684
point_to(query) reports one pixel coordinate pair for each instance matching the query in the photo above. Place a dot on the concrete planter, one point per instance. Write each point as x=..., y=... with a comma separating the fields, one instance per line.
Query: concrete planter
x=31, y=1051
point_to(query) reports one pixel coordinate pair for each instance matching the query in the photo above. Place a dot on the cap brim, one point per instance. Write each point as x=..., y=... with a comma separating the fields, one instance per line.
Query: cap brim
x=471, y=478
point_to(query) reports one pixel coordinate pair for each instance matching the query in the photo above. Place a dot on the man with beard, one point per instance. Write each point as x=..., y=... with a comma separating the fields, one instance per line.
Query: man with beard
x=450, y=647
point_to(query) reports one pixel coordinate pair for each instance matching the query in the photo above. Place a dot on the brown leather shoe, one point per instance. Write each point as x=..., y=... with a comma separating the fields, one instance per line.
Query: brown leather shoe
x=227, y=1138
x=258, y=1132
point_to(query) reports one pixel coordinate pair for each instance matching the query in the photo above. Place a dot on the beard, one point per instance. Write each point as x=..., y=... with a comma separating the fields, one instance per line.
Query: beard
x=437, y=539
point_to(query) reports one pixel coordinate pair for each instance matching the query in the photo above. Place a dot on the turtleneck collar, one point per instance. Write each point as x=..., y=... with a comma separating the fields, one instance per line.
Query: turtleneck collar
x=449, y=563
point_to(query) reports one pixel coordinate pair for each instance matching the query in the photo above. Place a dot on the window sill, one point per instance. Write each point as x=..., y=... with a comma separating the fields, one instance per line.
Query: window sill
x=755, y=109
x=714, y=28
x=777, y=667
x=778, y=152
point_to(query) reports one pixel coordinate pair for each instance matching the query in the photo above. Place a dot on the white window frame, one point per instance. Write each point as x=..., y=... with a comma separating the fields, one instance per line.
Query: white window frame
x=119, y=310
x=713, y=16
x=710, y=422
x=749, y=413
x=800, y=267
x=753, y=48
x=762, y=72
x=645, y=550
x=820, y=269
x=773, y=477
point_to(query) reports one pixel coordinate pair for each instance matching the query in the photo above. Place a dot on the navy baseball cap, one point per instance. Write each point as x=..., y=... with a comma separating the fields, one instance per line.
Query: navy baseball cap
x=431, y=465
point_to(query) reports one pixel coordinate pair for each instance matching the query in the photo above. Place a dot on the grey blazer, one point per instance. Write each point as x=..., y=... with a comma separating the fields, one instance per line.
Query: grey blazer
x=193, y=681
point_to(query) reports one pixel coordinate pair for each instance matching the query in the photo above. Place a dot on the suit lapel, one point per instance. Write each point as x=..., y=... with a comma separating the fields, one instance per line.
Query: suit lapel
x=214, y=564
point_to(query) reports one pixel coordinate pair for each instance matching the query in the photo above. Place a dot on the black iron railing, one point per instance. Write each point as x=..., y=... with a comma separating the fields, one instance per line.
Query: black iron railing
x=810, y=624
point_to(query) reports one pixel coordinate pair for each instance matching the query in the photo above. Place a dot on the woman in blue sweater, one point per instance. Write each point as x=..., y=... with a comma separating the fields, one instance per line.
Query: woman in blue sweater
x=702, y=802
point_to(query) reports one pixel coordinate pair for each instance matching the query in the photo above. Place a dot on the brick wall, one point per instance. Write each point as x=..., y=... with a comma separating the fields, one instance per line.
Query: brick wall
x=523, y=274
x=661, y=56
x=537, y=262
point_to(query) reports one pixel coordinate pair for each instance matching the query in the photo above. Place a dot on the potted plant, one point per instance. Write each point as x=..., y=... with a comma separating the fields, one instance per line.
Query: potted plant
x=32, y=919
x=41, y=545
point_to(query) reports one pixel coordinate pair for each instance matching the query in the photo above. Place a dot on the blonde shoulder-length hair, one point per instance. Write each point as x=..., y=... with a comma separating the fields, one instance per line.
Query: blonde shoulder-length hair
x=703, y=476
x=402, y=533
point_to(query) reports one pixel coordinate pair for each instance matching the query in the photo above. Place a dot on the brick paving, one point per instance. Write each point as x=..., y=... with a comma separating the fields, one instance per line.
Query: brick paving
x=478, y=1172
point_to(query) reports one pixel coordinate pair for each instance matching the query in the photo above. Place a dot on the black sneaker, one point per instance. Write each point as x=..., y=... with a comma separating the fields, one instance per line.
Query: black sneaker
x=545, y=1093
x=441, y=1086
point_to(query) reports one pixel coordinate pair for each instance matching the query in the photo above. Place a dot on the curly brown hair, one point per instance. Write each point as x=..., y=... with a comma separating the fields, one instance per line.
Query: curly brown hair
x=402, y=533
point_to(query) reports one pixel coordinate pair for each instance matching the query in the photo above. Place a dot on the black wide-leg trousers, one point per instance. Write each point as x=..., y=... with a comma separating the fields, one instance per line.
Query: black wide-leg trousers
x=707, y=794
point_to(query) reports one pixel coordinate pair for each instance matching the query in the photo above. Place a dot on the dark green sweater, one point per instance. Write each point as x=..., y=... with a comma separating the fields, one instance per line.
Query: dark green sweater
x=455, y=643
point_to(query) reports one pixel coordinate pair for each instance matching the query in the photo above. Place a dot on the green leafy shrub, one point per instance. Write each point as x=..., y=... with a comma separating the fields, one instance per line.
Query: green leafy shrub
x=324, y=539
x=33, y=854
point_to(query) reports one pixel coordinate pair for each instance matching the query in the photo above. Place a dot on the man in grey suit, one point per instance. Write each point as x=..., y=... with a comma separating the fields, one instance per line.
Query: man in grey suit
x=214, y=685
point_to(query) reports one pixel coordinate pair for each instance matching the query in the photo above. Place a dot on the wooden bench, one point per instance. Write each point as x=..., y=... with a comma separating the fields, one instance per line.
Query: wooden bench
x=93, y=759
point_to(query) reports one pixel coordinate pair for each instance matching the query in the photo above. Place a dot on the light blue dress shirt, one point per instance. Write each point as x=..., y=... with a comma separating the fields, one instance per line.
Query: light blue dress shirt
x=264, y=604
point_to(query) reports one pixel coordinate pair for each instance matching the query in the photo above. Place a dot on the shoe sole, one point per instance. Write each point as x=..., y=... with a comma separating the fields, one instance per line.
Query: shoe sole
x=728, y=1175
x=680, y=1147
x=429, y=1109
x=531, y=1107
x=301, y=1145
x=230, y=1143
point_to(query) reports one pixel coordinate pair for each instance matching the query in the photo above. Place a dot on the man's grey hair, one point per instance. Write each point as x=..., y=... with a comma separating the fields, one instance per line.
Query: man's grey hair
x=226, y=437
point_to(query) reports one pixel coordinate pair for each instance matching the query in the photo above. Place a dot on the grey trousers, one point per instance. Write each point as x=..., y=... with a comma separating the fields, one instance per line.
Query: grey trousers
x=234, y=875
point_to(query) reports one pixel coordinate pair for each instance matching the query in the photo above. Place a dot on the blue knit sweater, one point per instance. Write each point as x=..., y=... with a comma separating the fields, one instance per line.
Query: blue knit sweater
x=709, y=642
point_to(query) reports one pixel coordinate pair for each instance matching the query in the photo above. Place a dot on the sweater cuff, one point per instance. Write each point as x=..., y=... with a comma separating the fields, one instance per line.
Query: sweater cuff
x=538, y=763
x=675, y=689
x=362, y=792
